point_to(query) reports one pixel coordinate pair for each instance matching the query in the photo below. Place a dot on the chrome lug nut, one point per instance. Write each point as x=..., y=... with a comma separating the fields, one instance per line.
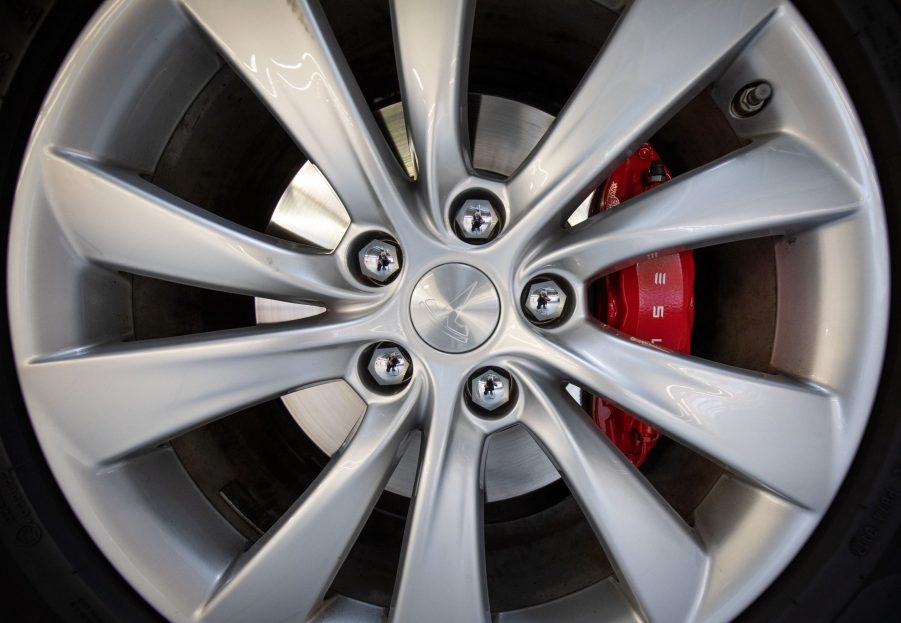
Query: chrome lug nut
x=752, y=98
x=490, y=389
x=389, y=366
x=545, y=301
x=379, y=261
x=476, y=220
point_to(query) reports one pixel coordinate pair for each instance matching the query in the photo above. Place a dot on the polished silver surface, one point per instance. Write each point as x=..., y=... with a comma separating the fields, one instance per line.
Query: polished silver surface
x=476, y=219
x=545, y=301
x=490, y=390
x=455, y=308
x=388, y=366
x=103, y=406
x=379, y=260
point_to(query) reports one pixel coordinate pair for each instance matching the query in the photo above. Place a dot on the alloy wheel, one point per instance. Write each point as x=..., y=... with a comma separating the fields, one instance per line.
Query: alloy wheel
x=105, y=407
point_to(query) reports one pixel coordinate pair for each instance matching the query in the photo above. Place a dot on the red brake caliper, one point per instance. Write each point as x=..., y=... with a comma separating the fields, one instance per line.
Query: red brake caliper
x=652, y=301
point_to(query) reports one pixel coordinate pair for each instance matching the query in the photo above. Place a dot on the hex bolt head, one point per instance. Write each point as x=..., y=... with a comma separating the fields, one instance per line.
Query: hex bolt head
x=379, y=260
x=752, y=98
x=545, y=301
x=490, y=389
x=476, y=220
x=388, y=366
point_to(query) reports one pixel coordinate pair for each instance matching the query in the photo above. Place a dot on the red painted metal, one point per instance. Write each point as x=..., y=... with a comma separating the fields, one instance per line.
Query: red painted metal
x=652, y=300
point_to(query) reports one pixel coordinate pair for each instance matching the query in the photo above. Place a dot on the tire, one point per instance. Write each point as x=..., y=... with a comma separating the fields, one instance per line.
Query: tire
x=51, y=568
x=849, y=569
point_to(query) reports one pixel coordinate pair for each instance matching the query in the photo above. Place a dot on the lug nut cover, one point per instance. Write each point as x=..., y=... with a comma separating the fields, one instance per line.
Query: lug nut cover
x=388, y=366
x=476, y=219
x=490, y=390
x=545, y=301
x=379, y=260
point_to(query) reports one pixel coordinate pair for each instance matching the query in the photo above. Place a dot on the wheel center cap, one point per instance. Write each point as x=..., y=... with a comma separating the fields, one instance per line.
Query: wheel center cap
x=455, y=308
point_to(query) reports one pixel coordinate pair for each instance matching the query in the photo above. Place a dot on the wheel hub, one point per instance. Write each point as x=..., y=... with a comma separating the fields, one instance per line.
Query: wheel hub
x=515, y=464
x=455, y=308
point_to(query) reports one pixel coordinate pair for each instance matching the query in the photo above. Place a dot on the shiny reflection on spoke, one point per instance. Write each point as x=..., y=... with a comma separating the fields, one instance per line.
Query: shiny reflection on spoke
x=442, y=572
x=775, y=431
x=595, y=130
x=659, y=558
x=722, y=202
x=287, y=53
x=115, y=218
x=110, y=401
x=286, y=574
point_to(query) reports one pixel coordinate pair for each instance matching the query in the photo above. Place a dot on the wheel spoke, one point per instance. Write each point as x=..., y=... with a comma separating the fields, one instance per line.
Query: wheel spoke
x=432, y=39
x=659, y=56
x=286, y=574
x=655, y=553
x=442, y=573
x=118, y=220
x=776, y=186
x=775, y=431
x=110, y=401
x=287, y=53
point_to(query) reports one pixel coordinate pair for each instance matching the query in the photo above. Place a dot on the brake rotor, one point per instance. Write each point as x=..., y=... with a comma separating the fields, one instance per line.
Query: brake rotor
x=651, y=301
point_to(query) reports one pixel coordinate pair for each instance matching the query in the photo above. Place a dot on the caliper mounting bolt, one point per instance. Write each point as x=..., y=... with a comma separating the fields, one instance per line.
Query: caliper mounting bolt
x=656, y=172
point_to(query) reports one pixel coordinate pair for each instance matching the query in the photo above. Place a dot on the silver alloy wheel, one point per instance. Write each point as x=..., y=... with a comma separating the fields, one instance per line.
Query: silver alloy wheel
x=104, y=407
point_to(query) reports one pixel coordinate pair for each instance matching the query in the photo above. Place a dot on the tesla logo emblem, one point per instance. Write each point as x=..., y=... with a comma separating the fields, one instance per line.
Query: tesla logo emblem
x=446, y=316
